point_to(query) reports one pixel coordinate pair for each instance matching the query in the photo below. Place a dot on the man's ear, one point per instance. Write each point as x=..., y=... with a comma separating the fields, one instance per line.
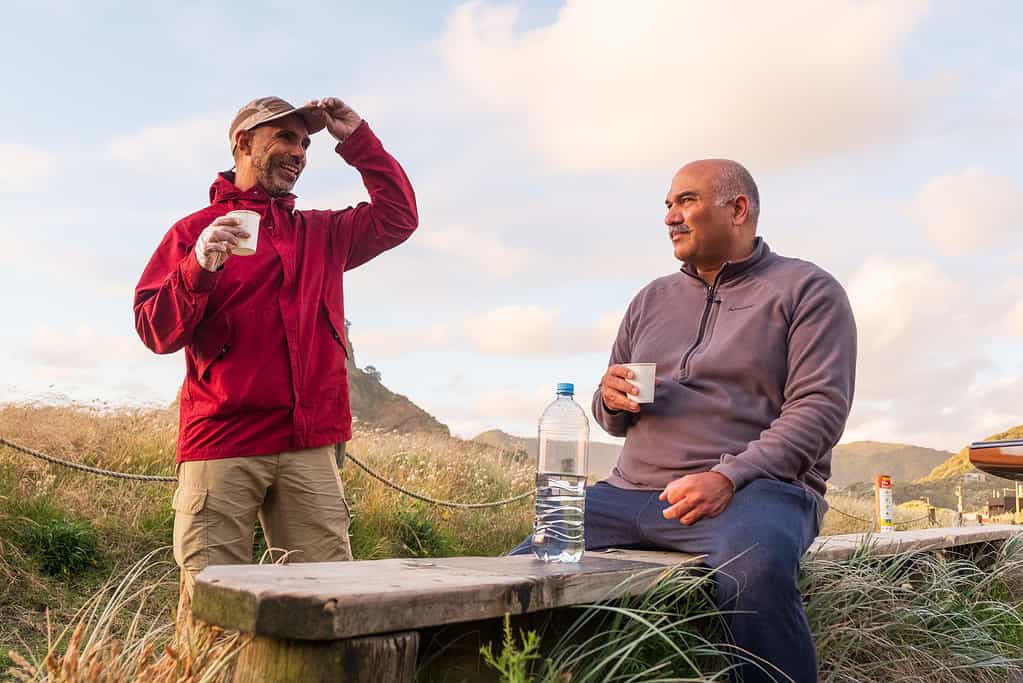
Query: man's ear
x=243, y=141
x=740, y=210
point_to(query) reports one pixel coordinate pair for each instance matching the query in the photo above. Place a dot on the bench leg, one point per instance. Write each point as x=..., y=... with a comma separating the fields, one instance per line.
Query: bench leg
x=390, y=657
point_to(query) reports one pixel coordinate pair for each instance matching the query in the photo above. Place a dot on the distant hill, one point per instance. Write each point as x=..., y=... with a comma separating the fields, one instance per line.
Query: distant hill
x=506, y=442
x=374, y=405
x=602, y=456
x=959, y=463
x=861, y=461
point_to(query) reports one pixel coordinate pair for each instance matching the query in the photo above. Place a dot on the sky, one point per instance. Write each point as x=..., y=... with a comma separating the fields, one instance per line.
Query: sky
x=541, y=138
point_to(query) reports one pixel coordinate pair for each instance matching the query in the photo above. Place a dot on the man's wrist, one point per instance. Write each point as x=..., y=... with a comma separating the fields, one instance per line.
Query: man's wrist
x=342, y=139
x=731, y=484
x=197, y=279
x=717, y=469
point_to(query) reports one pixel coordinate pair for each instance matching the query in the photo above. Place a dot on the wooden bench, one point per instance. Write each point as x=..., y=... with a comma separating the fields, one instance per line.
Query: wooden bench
x=362, y=621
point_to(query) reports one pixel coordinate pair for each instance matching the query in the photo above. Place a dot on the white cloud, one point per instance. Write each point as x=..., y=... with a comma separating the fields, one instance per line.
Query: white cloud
x=925, y=374
x=477, y=249
x=894, y=300
x=513, y=330
x=770, y=83
x=968, y=211
x=82, y=348
x=24, y=167
x=515, y=409
x=56, y=364
x=388, y=343
x=533, y=330
x=193, y=145
x=1014, y=319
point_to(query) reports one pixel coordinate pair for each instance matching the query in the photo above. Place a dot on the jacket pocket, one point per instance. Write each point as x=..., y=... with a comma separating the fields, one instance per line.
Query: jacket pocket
x=212, y=342
x=336, y=323
x=189, y=501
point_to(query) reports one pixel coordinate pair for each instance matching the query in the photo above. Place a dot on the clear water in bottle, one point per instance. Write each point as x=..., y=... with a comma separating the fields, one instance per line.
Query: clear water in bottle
x=564, y=434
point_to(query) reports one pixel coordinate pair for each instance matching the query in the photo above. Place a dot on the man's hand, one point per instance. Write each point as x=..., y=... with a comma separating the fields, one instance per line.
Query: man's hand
x=616, y=392
x=696, y=496
x=216, y=242
x=341, y=120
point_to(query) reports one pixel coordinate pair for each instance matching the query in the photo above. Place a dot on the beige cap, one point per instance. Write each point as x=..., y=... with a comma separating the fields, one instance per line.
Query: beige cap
x=264, y=109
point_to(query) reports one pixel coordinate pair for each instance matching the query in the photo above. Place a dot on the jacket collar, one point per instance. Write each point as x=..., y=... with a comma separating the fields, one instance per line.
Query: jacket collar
x=734, y=268
x=223, y=189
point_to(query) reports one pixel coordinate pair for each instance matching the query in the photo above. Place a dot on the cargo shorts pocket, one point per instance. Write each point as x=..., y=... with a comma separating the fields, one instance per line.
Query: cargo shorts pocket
x=189, y=501
x=190, y=536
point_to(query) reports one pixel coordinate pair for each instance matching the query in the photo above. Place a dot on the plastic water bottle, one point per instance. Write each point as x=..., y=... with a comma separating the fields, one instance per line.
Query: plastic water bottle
x=564, y=436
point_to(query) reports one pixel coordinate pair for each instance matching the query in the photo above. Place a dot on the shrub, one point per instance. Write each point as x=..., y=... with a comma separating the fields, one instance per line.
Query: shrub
x=59, y=543
x=63, y=546
x=420, y=536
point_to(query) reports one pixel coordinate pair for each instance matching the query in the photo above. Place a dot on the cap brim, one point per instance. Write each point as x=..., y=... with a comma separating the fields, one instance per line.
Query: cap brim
x=313, y=118
x=311, y=115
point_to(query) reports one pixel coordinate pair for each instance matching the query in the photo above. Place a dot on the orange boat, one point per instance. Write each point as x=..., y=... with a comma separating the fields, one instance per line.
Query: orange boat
x=1000, y=458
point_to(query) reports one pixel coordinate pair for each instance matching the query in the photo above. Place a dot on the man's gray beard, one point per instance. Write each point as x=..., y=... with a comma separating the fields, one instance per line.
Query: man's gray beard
x=264, y=171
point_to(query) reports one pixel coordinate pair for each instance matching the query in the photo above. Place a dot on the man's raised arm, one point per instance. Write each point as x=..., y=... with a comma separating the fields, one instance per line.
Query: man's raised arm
x=390, y=216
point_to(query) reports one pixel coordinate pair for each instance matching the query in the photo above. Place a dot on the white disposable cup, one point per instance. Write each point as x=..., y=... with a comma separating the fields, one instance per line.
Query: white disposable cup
x=644, y=381
x=250, y=223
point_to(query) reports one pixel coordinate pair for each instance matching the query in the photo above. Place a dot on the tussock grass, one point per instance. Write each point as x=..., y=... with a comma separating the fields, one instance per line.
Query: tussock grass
x=115, y=638
x=673, y=632
x=908, y=618
x=921, y=617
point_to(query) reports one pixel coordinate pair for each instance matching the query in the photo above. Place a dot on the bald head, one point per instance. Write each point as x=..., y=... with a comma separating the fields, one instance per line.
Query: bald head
x=727, y=180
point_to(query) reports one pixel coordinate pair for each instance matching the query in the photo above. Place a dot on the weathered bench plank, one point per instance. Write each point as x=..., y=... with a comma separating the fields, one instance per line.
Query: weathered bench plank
x=332, y=600
x=329, y=601
x=362, y=621
x=843, y=547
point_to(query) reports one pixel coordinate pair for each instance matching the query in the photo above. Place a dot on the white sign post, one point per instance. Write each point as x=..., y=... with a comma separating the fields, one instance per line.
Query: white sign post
x=885, y=504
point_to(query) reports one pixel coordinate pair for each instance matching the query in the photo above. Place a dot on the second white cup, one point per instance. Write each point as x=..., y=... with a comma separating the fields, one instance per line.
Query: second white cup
x=644, y=381
x=250, y=223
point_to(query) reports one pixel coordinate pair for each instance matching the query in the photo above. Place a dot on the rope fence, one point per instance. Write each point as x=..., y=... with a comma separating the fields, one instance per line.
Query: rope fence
x=426, y=499
x=84, y=468
x=348, y=456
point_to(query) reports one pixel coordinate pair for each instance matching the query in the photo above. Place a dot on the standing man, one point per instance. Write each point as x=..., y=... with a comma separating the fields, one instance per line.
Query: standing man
x=756, y=357
x=265, y=396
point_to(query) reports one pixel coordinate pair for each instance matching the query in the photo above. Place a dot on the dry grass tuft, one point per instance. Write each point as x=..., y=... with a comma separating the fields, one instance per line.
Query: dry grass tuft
x=113, y=639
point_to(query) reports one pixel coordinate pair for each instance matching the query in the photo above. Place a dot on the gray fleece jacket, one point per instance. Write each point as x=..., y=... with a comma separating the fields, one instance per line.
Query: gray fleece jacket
x=756, y=373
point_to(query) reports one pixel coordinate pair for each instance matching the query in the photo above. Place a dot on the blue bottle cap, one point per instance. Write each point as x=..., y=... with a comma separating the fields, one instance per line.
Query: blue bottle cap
x=566, y=388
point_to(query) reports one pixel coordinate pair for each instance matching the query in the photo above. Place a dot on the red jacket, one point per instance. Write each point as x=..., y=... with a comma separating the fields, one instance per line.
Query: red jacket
x=265, y=360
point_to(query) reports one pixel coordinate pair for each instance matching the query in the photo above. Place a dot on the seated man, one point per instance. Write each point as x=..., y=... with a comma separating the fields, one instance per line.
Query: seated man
x=756, y=357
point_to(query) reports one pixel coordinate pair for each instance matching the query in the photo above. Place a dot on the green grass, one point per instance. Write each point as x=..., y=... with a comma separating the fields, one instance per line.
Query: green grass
x=917, y=617
x=908, y=618
x=64, y=533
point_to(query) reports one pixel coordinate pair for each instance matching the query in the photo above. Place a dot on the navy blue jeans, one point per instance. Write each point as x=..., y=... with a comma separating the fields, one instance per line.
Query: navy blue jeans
x=758, y=541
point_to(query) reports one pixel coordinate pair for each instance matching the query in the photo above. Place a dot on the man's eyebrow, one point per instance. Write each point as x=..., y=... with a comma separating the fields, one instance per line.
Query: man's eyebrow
x=291, y=135
x=679, y=197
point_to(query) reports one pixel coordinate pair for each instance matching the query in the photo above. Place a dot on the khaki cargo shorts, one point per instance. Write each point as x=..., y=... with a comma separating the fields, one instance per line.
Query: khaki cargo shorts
x=297, y=497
